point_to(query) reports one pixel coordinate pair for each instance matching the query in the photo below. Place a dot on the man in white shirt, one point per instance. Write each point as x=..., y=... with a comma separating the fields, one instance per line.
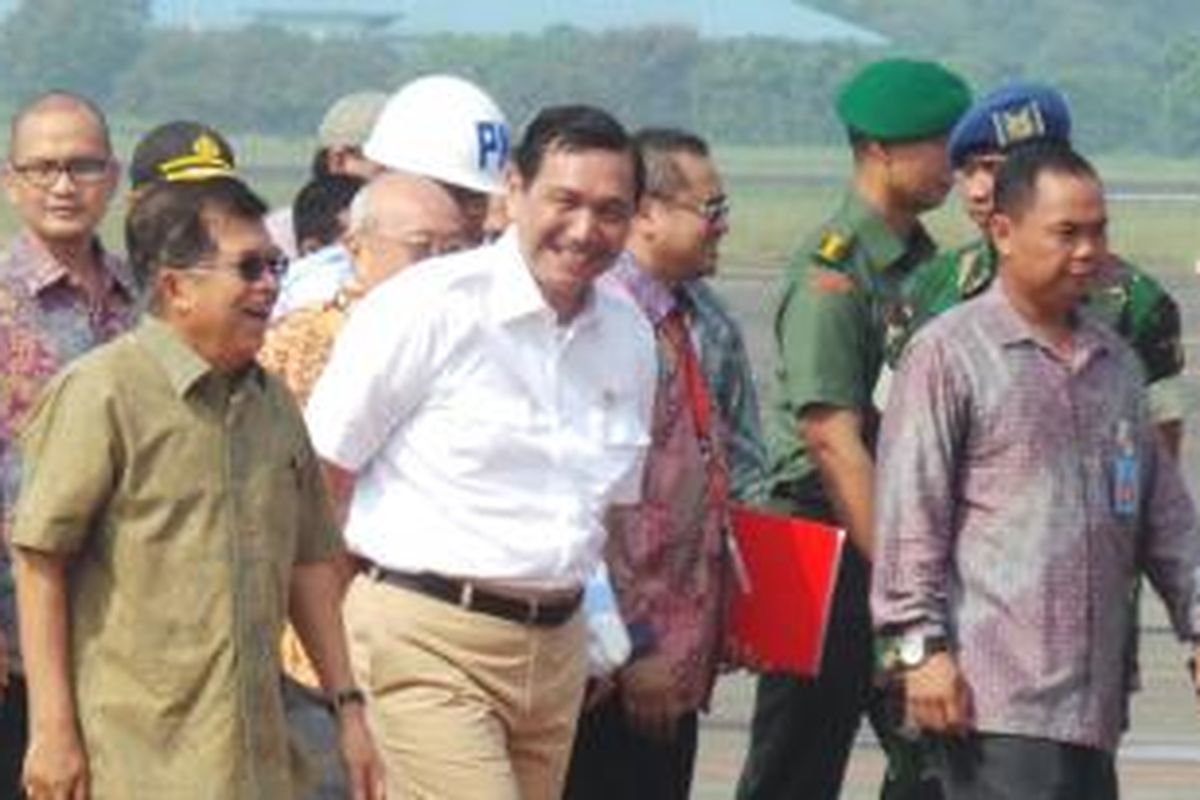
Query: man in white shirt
x=487, y=408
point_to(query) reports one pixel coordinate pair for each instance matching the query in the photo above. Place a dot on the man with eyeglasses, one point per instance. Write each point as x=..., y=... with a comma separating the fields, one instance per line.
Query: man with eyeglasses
x=172, y=517
x=439, y=127
x=668, y=554
x=61, y=293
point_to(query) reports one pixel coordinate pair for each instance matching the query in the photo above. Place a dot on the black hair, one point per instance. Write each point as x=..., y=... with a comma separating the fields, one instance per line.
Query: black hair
x=574, y=128
x=317, y=206
x=658, y=148
x=168, y=223
x=1016, y=180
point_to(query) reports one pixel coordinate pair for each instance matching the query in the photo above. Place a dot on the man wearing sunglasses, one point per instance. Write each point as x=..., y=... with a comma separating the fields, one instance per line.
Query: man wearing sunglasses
x=667, y=555
x=61, y=293
x=171, y=517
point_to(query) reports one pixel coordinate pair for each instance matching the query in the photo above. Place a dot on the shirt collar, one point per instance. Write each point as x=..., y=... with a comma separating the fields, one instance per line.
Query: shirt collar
x=883, y=248
x=185, y=368
x=513, y=292
x=41, y=271
x=653, y=296
x=1010, y=328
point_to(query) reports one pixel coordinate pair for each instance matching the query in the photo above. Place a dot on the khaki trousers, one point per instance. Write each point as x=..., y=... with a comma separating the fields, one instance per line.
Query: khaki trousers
x=464, y=705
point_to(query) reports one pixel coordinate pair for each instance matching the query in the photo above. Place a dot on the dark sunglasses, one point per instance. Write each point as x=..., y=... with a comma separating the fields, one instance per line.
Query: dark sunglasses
x=252, y=266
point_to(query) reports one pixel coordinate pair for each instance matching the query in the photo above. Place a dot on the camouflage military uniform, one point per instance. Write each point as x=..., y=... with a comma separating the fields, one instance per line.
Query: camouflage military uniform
x=843, y=300
x=1128, y=299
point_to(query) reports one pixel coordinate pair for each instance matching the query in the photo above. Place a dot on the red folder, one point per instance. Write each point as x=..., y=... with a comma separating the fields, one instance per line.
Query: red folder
x=788, y=571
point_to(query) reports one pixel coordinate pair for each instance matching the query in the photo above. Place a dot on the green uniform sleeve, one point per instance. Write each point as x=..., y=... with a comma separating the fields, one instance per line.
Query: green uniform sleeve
x=1154, y=328
x=823, y=338
x=71, y=453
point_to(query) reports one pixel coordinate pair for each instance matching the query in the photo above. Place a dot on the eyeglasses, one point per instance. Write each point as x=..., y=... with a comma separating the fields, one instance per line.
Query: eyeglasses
x=421, y=246
x=714, y=211
x=44, y=172
x=252, y=266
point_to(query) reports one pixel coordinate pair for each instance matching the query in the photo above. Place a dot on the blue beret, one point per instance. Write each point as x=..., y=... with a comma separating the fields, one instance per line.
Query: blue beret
x=1015, y=113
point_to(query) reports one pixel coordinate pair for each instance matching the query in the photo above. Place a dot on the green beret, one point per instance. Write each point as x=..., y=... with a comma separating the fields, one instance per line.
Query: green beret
x=898, y=98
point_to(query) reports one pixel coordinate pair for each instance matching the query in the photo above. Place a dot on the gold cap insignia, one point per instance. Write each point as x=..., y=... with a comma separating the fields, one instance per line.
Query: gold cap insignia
x=1018, y=124
x=205, y=161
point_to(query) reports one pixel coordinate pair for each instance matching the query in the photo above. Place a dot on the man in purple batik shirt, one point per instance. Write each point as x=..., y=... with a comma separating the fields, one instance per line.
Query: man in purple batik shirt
x=1023, y=489
x=61, y=294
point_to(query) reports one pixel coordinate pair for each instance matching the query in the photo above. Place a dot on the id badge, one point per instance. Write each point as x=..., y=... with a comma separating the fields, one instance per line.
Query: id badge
x=1125, y=472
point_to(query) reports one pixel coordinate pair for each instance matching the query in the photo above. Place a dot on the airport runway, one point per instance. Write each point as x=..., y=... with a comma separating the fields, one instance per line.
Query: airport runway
x=1160, y=759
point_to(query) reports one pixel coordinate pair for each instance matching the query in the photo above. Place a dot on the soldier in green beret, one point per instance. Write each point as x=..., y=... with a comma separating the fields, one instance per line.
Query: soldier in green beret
x=843, y=296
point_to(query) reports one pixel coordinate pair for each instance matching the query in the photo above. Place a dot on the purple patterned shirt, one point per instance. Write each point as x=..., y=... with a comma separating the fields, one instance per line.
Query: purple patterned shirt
x=45, y=322
x=1019, y=493
x=666, y=555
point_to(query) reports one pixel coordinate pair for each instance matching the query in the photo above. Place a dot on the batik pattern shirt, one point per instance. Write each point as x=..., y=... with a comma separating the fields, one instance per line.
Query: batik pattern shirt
x=666, y=554
x=46, y=321
x=1020, y=492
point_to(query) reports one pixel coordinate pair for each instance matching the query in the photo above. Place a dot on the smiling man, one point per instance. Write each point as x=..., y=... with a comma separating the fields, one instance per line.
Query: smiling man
x=171, y=517
x=61, y=294
x=489, y=407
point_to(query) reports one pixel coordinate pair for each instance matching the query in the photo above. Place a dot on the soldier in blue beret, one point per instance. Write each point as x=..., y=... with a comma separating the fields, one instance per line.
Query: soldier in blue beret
x=842, y=294
x=1132, y=301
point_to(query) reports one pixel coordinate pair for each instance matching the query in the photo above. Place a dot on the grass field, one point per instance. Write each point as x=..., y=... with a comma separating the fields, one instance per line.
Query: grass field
x=780, y=194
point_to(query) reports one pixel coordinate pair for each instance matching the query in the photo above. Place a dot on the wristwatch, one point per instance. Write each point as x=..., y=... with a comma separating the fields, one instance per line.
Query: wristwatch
x=351, y=696
x=913, y=649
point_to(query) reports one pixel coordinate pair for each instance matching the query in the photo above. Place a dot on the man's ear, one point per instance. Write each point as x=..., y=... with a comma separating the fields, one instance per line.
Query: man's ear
x=1000, y=230
x=173, y=291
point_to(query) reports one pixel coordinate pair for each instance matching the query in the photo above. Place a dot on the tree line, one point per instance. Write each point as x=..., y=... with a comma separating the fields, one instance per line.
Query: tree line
x=1133, y=77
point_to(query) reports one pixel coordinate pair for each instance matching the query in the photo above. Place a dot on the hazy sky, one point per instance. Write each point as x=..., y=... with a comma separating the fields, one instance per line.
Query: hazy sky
x=713, y=18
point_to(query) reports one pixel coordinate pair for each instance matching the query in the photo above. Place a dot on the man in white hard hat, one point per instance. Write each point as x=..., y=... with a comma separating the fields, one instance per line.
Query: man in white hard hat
x=440, y=127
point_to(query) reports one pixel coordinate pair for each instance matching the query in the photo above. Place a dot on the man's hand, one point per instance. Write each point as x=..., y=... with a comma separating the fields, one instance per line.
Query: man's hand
x=55, y=766
x=937, y=696
x=363, y=765
x=649, y=696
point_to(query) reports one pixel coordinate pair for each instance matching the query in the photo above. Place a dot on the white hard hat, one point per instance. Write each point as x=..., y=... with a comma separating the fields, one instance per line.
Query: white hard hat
x=446, y=128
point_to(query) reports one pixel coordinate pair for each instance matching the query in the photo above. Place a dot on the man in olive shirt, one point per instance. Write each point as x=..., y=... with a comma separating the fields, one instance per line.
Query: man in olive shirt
x=842, y=299
x=171, y=516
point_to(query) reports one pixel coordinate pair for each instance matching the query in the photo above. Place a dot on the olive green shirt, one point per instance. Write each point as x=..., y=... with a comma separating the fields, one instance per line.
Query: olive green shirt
x=183, y=498
x=842, y=300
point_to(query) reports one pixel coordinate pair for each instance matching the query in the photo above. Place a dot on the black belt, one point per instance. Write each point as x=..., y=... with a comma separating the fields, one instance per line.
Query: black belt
x=472, y=597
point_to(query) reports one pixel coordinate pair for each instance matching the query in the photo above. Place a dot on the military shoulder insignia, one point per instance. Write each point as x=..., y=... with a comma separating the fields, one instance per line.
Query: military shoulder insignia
x=833, y=248
x=824, y=280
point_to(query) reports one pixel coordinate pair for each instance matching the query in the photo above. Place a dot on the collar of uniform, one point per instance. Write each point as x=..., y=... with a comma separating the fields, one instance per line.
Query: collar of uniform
x=883, y=248
x=652, y=296
x=513, y=293
x=1010, y=328
x=185, y=367
x=40, y=271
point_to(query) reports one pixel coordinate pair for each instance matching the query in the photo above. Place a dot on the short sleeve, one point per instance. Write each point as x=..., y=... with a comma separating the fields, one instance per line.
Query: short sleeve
x=71, y=453
x=823, y=341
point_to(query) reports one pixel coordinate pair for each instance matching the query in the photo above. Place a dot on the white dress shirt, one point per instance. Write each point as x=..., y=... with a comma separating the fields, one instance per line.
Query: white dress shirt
x=488, y=439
